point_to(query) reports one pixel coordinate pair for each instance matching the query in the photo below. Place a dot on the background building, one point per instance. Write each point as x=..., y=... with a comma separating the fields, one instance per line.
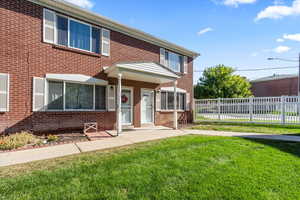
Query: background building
x=276, y=85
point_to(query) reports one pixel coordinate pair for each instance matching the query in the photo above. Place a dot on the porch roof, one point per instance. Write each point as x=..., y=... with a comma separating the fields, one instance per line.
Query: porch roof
x=142, y=71
x=76, y=78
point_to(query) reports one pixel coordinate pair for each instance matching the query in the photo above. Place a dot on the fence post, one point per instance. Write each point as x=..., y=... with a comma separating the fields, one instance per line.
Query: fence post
x=283, y=109
x=219, y=108
x=251, y=108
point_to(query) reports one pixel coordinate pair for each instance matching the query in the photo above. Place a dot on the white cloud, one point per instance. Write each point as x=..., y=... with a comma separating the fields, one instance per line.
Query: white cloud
x=295, y=37
x=280, y=40
x=279, y=11
x=281, y=49
x=206, y=30
x=236, y=3
x=82, y=3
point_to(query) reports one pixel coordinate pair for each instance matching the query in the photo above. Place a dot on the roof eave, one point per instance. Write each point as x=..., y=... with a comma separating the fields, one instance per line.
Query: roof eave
x=76, y=11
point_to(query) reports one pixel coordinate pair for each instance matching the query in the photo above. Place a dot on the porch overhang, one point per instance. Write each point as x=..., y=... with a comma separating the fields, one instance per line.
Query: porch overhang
x=142, y=71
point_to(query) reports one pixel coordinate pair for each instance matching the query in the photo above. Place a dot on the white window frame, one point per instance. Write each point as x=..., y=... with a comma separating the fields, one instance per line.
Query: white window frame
x=167, y=61
x=69, y=36
x=171, y=110
x=64, y=97
x=7, y=93
x=78, y=21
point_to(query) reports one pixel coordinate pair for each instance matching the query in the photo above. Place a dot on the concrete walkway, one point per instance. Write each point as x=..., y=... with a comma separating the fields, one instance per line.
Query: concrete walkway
x=127, y=138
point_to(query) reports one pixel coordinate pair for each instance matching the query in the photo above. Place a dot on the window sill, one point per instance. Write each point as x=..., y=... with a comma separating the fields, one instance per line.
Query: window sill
x=72, y=111
x=55, y=46
x=168, y=111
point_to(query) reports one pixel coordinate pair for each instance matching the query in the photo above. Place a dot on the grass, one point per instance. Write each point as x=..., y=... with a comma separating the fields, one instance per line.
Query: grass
x=249, y=127
x=189, y=167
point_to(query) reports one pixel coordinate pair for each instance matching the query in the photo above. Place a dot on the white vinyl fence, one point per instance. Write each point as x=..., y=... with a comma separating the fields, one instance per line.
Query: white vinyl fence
x=284, y=110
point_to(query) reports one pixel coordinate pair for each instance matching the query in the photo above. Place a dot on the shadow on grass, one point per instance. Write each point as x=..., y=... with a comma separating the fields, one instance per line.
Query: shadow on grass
x=290, y=147
x=296, y=126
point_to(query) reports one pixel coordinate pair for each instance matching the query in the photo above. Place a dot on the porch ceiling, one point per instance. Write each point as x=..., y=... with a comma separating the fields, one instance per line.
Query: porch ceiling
x=142, y=71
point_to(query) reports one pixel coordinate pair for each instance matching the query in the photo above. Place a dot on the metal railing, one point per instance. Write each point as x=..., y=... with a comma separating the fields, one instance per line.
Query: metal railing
x=284, y=110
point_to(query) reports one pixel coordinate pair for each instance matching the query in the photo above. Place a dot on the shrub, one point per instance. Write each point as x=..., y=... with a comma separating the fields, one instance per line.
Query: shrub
x=52, y=138
x=17, y=140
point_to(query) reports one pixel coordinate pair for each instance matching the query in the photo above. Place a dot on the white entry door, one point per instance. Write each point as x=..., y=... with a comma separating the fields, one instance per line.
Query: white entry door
x=147, y=106
x=126, y=99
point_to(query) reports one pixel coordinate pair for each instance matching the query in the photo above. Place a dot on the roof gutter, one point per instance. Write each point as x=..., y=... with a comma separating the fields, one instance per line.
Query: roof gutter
x=76, y=11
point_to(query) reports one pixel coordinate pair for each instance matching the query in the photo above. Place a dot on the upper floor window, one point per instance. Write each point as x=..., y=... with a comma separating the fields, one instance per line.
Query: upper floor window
x=174, y=61
x=72, y=33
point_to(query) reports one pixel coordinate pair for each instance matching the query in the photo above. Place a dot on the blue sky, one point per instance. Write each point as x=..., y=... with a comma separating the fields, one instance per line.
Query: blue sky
x=237, y=33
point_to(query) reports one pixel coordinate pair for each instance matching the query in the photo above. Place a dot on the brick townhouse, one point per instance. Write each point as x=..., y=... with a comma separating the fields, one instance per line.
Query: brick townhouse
x=62, y=66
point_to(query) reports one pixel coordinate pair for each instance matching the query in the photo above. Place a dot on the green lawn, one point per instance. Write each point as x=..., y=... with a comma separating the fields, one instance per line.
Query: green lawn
x=189, y=167
x=249, y=127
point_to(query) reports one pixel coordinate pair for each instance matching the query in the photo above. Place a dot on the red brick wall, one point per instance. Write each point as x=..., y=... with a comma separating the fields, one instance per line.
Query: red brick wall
x=23, y=55
x=281, y=87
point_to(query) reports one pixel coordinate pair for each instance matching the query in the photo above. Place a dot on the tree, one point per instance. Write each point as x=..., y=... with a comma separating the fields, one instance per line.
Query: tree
x=220, y=82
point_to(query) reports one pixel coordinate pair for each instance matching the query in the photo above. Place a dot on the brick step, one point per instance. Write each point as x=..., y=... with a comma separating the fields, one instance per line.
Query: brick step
x=97, y=135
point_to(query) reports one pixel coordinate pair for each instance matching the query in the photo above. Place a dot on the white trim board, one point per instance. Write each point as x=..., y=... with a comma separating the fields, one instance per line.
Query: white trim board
x=171, y=89
x=76, y=78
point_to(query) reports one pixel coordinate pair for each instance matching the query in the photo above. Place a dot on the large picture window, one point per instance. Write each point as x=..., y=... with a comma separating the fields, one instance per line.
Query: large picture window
x=76, y=96
x=167, y=100
x=79, y=96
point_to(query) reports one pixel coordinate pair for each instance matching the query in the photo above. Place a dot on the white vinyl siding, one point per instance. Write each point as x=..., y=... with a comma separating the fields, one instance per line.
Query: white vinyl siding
x=4, y=92
x=105, y=37
x=111, y=98
x=72, y=33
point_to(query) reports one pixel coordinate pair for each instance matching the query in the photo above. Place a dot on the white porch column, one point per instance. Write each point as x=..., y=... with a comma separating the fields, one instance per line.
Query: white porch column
x=119, y=104
x=175, y=120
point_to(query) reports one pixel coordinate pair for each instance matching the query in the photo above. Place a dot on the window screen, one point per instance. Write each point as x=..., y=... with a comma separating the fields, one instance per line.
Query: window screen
x=80, y=35
x=100, y=102
x=96, y=40
x=170, y=100
x=79, y=96
x=55, y=95
x=62, y=31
